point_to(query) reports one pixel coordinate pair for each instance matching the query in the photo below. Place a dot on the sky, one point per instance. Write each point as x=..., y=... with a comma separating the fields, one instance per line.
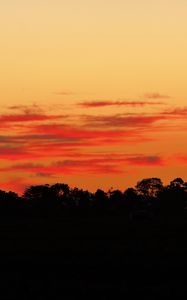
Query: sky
x=92, y=92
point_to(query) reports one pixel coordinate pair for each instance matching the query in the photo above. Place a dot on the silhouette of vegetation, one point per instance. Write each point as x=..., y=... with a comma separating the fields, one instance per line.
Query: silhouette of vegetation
x=148, y=200
x=74, y=243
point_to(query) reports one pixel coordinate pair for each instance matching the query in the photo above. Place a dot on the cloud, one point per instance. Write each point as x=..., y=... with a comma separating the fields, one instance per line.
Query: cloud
x=27, y=109
x=36, y=144
x=72, y=132
x=121, y=120
x=25, y=166
x=67, y=167
x=14, y=152
x=44, y=175
x=156, y=96
x=93, y=104
x=110, y=160
x=14, y=118
x=63, y=93
x=100, y=165
x=77, y=164
x=32, y=140
x=181, y=158
x=146, y=161
x=178, y=111
x=88, y=166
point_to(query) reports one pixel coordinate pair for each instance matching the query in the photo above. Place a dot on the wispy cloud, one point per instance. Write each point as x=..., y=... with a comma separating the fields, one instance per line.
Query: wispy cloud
x=156, y=96
x=146, y=161
x=121, y=120
x=181, y=158
x=102, y=165
x=40, y=144
x=93, y=104
x=28, y=118
x=27, y=109
x=63, y=93
x=178, y=111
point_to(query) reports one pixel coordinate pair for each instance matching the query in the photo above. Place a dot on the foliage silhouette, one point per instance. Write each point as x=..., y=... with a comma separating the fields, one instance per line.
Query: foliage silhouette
x=128, y=243
x=150, y=198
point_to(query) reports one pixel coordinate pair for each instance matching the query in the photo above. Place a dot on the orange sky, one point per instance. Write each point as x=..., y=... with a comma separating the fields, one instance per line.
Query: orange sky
x=93, y=93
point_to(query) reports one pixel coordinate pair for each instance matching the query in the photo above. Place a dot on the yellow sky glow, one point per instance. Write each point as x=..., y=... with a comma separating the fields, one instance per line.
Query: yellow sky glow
x=58, y=54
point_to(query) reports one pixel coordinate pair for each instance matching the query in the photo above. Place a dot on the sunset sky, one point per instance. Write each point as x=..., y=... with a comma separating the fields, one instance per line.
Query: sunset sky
x=93, y=92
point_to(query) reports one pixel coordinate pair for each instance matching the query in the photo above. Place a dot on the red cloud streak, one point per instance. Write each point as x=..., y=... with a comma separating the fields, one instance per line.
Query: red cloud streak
x=97, y=165
x=28, y=118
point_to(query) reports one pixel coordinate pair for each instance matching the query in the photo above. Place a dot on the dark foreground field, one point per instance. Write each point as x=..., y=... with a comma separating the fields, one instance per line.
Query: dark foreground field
x=95, y=257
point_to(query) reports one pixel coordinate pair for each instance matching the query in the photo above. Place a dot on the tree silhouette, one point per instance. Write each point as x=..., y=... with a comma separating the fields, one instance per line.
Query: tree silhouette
x=100, y=201
x=81, y=198
x=61, y=193
x=131, y=202
x=149, y=198
x=177, y=183
x=116, y=199
x=10, y=204
x=40, y=199
x=149, y=187
x=172, y=200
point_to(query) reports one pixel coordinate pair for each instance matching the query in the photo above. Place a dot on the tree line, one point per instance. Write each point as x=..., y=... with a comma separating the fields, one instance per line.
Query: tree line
x=149, y=199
